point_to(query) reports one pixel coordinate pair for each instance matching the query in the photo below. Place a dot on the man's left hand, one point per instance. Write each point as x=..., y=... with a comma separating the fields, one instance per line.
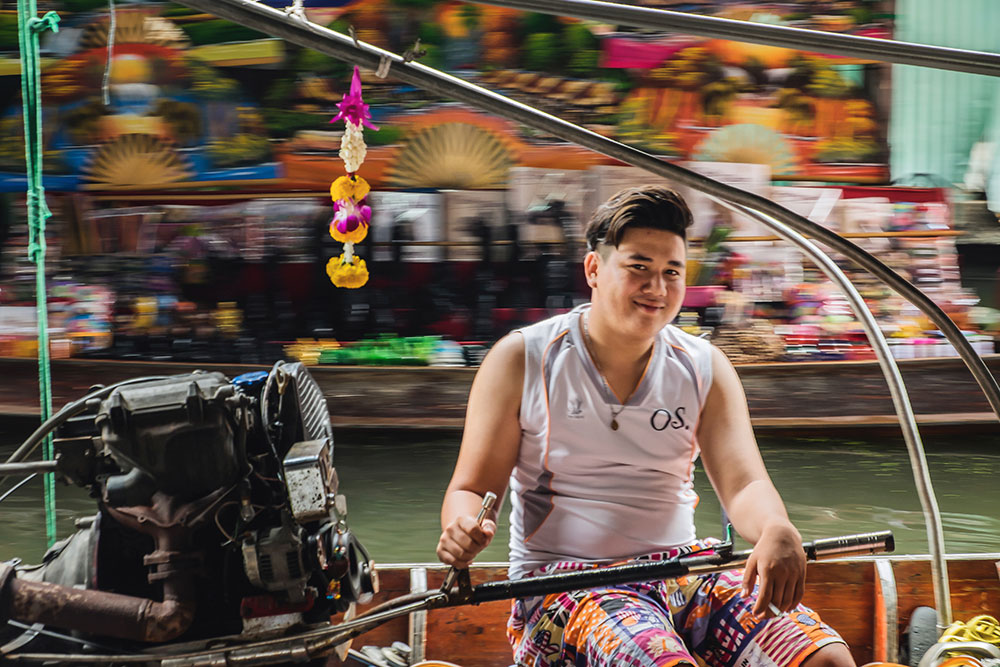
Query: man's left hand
x=779, y=562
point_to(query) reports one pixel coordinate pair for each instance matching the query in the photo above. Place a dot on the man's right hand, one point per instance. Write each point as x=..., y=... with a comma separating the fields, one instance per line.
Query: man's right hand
x=463, y=539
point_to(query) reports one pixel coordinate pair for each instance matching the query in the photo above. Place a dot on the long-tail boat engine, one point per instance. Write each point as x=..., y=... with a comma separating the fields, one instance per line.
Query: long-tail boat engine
x=218, y=514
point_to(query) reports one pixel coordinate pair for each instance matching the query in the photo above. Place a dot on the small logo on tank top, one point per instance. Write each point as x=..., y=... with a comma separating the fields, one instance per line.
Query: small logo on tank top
x=575, y=408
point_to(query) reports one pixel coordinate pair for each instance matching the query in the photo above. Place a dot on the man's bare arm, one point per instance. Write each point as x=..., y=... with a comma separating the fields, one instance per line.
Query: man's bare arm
x=489, y=451
x=736, y=470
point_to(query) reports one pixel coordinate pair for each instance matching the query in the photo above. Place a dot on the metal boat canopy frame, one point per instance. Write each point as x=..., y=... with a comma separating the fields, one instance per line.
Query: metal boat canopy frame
x=790, y=226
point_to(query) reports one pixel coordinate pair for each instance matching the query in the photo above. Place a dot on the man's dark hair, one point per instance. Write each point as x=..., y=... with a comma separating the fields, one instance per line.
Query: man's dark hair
x=644, y=207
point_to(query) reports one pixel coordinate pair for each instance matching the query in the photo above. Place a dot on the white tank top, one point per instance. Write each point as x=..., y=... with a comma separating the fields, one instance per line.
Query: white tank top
x=583, y=492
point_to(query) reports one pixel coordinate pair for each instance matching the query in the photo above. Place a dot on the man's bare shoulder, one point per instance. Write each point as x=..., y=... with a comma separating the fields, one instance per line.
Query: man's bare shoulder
x=726, y=391
x=719, y=357
x=499, y=382
x=510, y=347
x=506, y=357
x=717, y=354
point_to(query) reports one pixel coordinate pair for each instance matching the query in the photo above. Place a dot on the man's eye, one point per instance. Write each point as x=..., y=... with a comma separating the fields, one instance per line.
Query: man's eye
x=639, y=267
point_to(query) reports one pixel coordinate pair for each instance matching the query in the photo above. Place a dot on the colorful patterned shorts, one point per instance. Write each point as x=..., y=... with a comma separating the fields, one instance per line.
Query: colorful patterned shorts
x=702, y=620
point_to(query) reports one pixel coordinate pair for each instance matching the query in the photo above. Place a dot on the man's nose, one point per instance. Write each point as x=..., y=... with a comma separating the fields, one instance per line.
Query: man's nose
x=657, y=284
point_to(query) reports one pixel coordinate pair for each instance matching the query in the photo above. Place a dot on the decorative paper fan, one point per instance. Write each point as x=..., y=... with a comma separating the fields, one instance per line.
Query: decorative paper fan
x=748, y=144
x=134, y=28
x=136, y=159
x=452, y=155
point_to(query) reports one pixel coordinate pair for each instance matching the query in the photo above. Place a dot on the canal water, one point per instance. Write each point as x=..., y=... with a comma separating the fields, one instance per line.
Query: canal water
x=831, y=487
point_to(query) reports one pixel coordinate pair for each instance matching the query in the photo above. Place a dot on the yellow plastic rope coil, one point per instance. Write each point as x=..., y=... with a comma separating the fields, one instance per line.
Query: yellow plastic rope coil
x=978, y=629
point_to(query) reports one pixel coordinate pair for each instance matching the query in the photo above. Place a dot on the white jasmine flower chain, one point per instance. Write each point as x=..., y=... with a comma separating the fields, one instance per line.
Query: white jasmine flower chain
x=352, y=147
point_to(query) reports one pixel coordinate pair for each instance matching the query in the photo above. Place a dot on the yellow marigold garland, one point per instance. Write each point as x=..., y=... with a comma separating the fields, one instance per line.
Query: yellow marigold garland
x=347, y=274
x=357, y=236
x=351, y=187
x=351, y=214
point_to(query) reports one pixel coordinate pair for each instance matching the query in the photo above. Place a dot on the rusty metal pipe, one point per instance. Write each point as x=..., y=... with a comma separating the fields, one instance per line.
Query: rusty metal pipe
x=98, y=612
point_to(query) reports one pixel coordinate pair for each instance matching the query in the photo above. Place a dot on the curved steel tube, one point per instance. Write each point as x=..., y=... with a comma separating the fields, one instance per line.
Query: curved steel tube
x=869, y=48
x=307, y=34
x=900, y=400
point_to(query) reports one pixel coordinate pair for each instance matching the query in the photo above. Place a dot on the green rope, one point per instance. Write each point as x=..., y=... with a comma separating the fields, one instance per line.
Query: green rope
x=29, y=28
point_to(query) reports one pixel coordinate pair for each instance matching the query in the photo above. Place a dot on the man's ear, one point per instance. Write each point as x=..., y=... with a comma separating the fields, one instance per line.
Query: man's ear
x=591, y=264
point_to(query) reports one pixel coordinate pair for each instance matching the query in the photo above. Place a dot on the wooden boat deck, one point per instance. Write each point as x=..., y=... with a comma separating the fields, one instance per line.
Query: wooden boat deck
x=783, y=397
x=848, y=593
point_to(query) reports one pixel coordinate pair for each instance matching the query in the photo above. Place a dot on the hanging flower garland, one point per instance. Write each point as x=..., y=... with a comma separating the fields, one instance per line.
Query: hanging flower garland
x=351, y=215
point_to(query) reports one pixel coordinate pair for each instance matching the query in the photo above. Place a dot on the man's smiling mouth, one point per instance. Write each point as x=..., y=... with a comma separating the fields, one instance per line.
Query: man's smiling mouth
x=649, y=308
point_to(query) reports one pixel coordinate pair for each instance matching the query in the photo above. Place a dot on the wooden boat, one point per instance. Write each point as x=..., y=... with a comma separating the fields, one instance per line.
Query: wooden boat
x=783, y=397
x=869, y=600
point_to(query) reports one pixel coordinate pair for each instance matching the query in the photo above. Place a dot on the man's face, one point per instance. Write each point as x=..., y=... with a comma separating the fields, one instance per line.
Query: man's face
x=639, y=286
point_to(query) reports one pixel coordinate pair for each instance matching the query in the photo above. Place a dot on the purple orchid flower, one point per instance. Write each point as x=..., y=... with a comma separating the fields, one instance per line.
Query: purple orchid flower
x=348, y=215
x=352, y=107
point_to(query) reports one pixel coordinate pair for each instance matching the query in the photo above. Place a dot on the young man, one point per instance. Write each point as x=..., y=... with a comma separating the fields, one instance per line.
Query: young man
x=595, y=419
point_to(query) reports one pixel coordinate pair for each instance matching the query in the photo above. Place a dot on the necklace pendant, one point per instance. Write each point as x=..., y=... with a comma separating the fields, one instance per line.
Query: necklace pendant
x=614, y=424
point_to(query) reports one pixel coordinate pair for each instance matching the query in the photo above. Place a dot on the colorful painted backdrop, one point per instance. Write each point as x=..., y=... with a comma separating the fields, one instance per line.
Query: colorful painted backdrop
x=192, y=100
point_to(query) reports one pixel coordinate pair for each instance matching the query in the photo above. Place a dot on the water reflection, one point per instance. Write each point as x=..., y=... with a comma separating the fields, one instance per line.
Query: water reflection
x=394, y=490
